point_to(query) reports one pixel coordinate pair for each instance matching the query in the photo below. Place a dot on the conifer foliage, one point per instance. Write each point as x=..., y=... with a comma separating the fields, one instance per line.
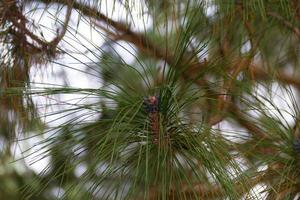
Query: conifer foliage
x=149, y=99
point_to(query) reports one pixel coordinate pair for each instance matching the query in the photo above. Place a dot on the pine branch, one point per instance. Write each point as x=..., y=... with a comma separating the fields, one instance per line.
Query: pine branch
x=258, y=73
x=285, y=22
x=215, y=192
x=120, y=139
x=138, y=39
x=62, y=33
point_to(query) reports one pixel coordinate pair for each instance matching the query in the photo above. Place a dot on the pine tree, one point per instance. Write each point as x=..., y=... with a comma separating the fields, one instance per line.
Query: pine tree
x=149, y=99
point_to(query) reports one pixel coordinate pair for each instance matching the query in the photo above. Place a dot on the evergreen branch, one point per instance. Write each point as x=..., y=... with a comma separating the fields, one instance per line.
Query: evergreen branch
x=258, y=73
x=285, y=22
x=242, y=120
x=60, y=35
x=214, y=192
x=138, y=39
x=194, y=162
x=150, y=49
